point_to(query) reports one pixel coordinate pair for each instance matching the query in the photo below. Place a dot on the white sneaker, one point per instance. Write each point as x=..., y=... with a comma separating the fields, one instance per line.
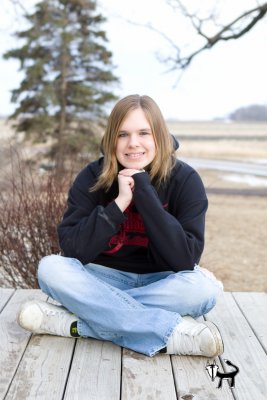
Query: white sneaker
x=195, y=338
x=41, y=317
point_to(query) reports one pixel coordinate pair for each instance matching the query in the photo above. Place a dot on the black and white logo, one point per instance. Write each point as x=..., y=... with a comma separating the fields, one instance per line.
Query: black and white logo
x=213, y=371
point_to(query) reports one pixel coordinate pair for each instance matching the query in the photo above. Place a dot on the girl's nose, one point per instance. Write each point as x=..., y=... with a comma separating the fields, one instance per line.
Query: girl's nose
x=133, y=140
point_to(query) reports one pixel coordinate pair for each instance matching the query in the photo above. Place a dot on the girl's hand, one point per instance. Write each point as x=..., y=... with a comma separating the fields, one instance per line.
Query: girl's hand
x=126, y=187
x=130, y=172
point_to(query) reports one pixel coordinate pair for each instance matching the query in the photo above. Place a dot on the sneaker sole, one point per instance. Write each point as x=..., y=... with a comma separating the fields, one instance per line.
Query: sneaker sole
x=217, y=337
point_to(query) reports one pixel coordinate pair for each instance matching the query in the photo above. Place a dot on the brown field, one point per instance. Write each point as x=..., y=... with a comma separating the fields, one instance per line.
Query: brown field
x=236, y=229
x=240, y=150
x=233, y=141
x=217, y=128
x=236, y=242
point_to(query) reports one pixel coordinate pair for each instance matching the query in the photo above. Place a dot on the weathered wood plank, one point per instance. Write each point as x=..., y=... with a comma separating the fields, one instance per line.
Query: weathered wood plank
x=95, y=372
x=43, y=370
x=242, y=348
x=254, y=307
x=192, y=380
x=146, y=378
x=13, y=338
x=5, y=295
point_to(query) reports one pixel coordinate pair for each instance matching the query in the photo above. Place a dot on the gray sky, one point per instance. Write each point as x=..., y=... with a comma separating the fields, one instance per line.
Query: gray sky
x=219, y=81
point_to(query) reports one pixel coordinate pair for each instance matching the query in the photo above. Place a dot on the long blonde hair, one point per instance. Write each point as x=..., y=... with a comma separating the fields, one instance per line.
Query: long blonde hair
x=162, y=163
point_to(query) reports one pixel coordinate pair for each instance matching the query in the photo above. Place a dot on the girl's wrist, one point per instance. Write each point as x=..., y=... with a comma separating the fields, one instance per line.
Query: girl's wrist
x=122, y=203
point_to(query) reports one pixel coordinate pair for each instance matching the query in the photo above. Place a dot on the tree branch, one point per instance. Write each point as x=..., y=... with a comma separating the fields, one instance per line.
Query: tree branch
x=227, y=32
x=19, y=4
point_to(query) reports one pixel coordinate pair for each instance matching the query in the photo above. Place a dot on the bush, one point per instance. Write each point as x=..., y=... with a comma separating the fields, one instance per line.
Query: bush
x=31, y=206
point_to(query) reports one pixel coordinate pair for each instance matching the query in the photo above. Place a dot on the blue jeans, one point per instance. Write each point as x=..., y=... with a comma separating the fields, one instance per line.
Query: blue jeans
x=136, y=311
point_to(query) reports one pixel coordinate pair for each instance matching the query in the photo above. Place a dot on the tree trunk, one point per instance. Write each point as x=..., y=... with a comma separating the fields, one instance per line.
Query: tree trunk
x=62, y=112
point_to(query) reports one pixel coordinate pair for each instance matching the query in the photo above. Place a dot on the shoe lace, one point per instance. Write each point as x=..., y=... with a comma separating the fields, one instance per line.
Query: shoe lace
x=187, y=340
x=54, y=312
x=60, y=313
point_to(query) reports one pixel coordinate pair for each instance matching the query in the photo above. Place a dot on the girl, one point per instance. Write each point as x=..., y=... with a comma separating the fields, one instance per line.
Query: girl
x=132, y=238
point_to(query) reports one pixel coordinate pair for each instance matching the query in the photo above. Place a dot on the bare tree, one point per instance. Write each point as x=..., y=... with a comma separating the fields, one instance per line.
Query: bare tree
x=235, y=29
x=19, y=6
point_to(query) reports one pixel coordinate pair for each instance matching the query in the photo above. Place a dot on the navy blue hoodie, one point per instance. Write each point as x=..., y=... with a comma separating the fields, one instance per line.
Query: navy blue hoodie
x=162, y=229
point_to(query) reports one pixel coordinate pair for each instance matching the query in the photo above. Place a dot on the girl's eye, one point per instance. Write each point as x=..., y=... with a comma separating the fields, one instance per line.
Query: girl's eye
x=122, y=134
x=144, y=133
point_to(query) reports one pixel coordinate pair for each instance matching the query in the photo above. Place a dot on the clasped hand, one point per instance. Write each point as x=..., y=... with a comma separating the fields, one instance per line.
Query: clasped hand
x=126, y=187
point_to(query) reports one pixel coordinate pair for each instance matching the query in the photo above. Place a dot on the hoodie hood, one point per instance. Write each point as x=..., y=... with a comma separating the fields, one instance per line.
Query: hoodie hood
x=175, y=143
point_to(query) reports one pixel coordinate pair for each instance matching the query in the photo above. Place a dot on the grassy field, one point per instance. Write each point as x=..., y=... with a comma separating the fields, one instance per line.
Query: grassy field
x=236, y=228
x=217, y=128
x=218, y=140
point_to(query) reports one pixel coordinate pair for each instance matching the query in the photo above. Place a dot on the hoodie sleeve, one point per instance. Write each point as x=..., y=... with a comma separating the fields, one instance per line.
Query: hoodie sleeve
x=176, y=240
x=87, y=227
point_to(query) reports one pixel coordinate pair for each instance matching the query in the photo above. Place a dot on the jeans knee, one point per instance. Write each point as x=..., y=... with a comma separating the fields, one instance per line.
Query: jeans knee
x=197, y=291
x=212, y=289
x=209, y=295
x=47, y=267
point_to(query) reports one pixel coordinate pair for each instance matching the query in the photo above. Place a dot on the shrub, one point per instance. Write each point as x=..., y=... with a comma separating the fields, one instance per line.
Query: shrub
x=31, y=206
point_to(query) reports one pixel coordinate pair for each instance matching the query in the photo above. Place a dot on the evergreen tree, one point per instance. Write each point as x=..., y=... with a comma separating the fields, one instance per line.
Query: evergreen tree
x=68, y=74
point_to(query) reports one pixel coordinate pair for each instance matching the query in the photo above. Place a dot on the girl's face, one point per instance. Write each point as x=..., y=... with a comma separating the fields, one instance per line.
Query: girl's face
x=135, y=148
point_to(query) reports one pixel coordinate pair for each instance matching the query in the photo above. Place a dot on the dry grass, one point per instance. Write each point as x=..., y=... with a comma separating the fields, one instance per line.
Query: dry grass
x=245, y=150
x=236, y=241
x=233, y=140
x=217, y=128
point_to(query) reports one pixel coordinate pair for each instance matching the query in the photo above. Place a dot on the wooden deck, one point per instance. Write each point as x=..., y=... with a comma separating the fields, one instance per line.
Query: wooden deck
x=55, y=368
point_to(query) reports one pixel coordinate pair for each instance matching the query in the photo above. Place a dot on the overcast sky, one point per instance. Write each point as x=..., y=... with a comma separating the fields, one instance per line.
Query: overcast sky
x=218, y=81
